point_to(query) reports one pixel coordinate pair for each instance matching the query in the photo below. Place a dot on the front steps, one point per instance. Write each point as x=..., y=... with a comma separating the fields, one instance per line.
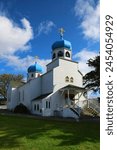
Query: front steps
x=92, y=108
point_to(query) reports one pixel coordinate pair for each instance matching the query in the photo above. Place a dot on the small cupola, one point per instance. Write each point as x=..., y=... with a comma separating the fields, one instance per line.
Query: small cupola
x=34, y=71
x=61, y=48
x=35, y=68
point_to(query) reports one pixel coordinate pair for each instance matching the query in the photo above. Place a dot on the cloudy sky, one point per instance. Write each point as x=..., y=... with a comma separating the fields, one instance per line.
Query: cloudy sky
x=28, y=28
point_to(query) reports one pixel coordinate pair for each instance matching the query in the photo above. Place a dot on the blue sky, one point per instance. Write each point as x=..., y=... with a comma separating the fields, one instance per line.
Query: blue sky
x=28, y=28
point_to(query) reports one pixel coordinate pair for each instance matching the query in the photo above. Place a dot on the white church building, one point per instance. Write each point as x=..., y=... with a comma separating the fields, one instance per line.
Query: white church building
x=58, y=92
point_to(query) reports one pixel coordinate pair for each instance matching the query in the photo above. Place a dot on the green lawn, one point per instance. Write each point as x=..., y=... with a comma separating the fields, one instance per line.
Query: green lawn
x=22, y=133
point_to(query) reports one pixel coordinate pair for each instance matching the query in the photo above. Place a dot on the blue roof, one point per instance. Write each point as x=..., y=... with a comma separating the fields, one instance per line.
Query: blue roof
x=62, y=44
x=35, y=68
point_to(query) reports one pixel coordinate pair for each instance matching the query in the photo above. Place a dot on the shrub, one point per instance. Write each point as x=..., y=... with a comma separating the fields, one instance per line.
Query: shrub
x=21, y=109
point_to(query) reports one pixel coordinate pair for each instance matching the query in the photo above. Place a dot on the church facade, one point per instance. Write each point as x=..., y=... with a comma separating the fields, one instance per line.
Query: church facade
x=58, y=92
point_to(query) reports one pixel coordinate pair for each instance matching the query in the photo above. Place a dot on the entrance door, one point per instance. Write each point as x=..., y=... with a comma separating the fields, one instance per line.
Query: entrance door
x=69, y=100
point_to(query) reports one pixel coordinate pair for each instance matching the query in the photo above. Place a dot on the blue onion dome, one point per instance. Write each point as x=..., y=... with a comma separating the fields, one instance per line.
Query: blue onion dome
x=62, y=44
x=35, y=68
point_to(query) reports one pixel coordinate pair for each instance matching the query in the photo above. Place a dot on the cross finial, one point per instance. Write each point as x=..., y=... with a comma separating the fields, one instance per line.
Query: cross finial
x=36, y=58
x=61, y=31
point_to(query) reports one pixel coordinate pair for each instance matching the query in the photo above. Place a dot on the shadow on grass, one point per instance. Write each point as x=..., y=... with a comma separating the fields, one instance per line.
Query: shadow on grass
x=82, y=132
x=16, y=131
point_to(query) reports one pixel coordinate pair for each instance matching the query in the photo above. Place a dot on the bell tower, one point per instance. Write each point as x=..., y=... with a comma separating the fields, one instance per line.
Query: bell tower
x=62, y=48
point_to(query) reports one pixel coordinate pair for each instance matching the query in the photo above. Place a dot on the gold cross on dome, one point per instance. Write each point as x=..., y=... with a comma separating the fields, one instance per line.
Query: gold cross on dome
x=36, y=58
x=61, y=31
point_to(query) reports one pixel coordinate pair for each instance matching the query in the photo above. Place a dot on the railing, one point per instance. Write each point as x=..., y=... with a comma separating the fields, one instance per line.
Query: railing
x=76, y=109
x=90, y=103
x=93, y=106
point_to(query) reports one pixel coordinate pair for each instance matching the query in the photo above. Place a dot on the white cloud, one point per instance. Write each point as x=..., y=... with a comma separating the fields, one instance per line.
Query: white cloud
x=82, y=57
x=12, y=37
x=21, y=64
x=45, y=27
x=90, y=18
x=43, y=63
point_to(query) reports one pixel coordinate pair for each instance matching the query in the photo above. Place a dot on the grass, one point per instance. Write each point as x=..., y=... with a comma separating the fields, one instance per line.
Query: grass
x=23, y=133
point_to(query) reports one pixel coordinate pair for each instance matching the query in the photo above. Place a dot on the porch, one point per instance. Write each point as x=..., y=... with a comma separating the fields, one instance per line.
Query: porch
x=76, y=100
x=74, y=95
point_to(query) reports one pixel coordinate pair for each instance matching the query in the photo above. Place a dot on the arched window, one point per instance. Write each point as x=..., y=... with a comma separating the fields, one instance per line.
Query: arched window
x=54, y=56
x=67, y=54
x=39, y=75
x=60, y=54
x=67, y=79
x=32, y=75
x=72, y=79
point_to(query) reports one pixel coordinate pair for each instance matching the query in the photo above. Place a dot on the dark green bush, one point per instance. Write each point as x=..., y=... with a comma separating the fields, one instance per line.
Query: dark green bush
x=21, y=109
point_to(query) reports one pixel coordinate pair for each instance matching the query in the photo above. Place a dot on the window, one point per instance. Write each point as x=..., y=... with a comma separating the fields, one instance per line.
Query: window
x=67, y=54
x=19, y=96
x=35, y=107
x=71, y=79
x=60, y=54
x=67, y=79
x=38, y=107
x=39, y=75
x=32, y=75
x=54, y=55
x=23, y=96
x=40, y=111
x=47, y=104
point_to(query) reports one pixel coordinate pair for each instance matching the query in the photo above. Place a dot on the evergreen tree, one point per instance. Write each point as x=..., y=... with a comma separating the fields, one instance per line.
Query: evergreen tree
x=92, y=78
